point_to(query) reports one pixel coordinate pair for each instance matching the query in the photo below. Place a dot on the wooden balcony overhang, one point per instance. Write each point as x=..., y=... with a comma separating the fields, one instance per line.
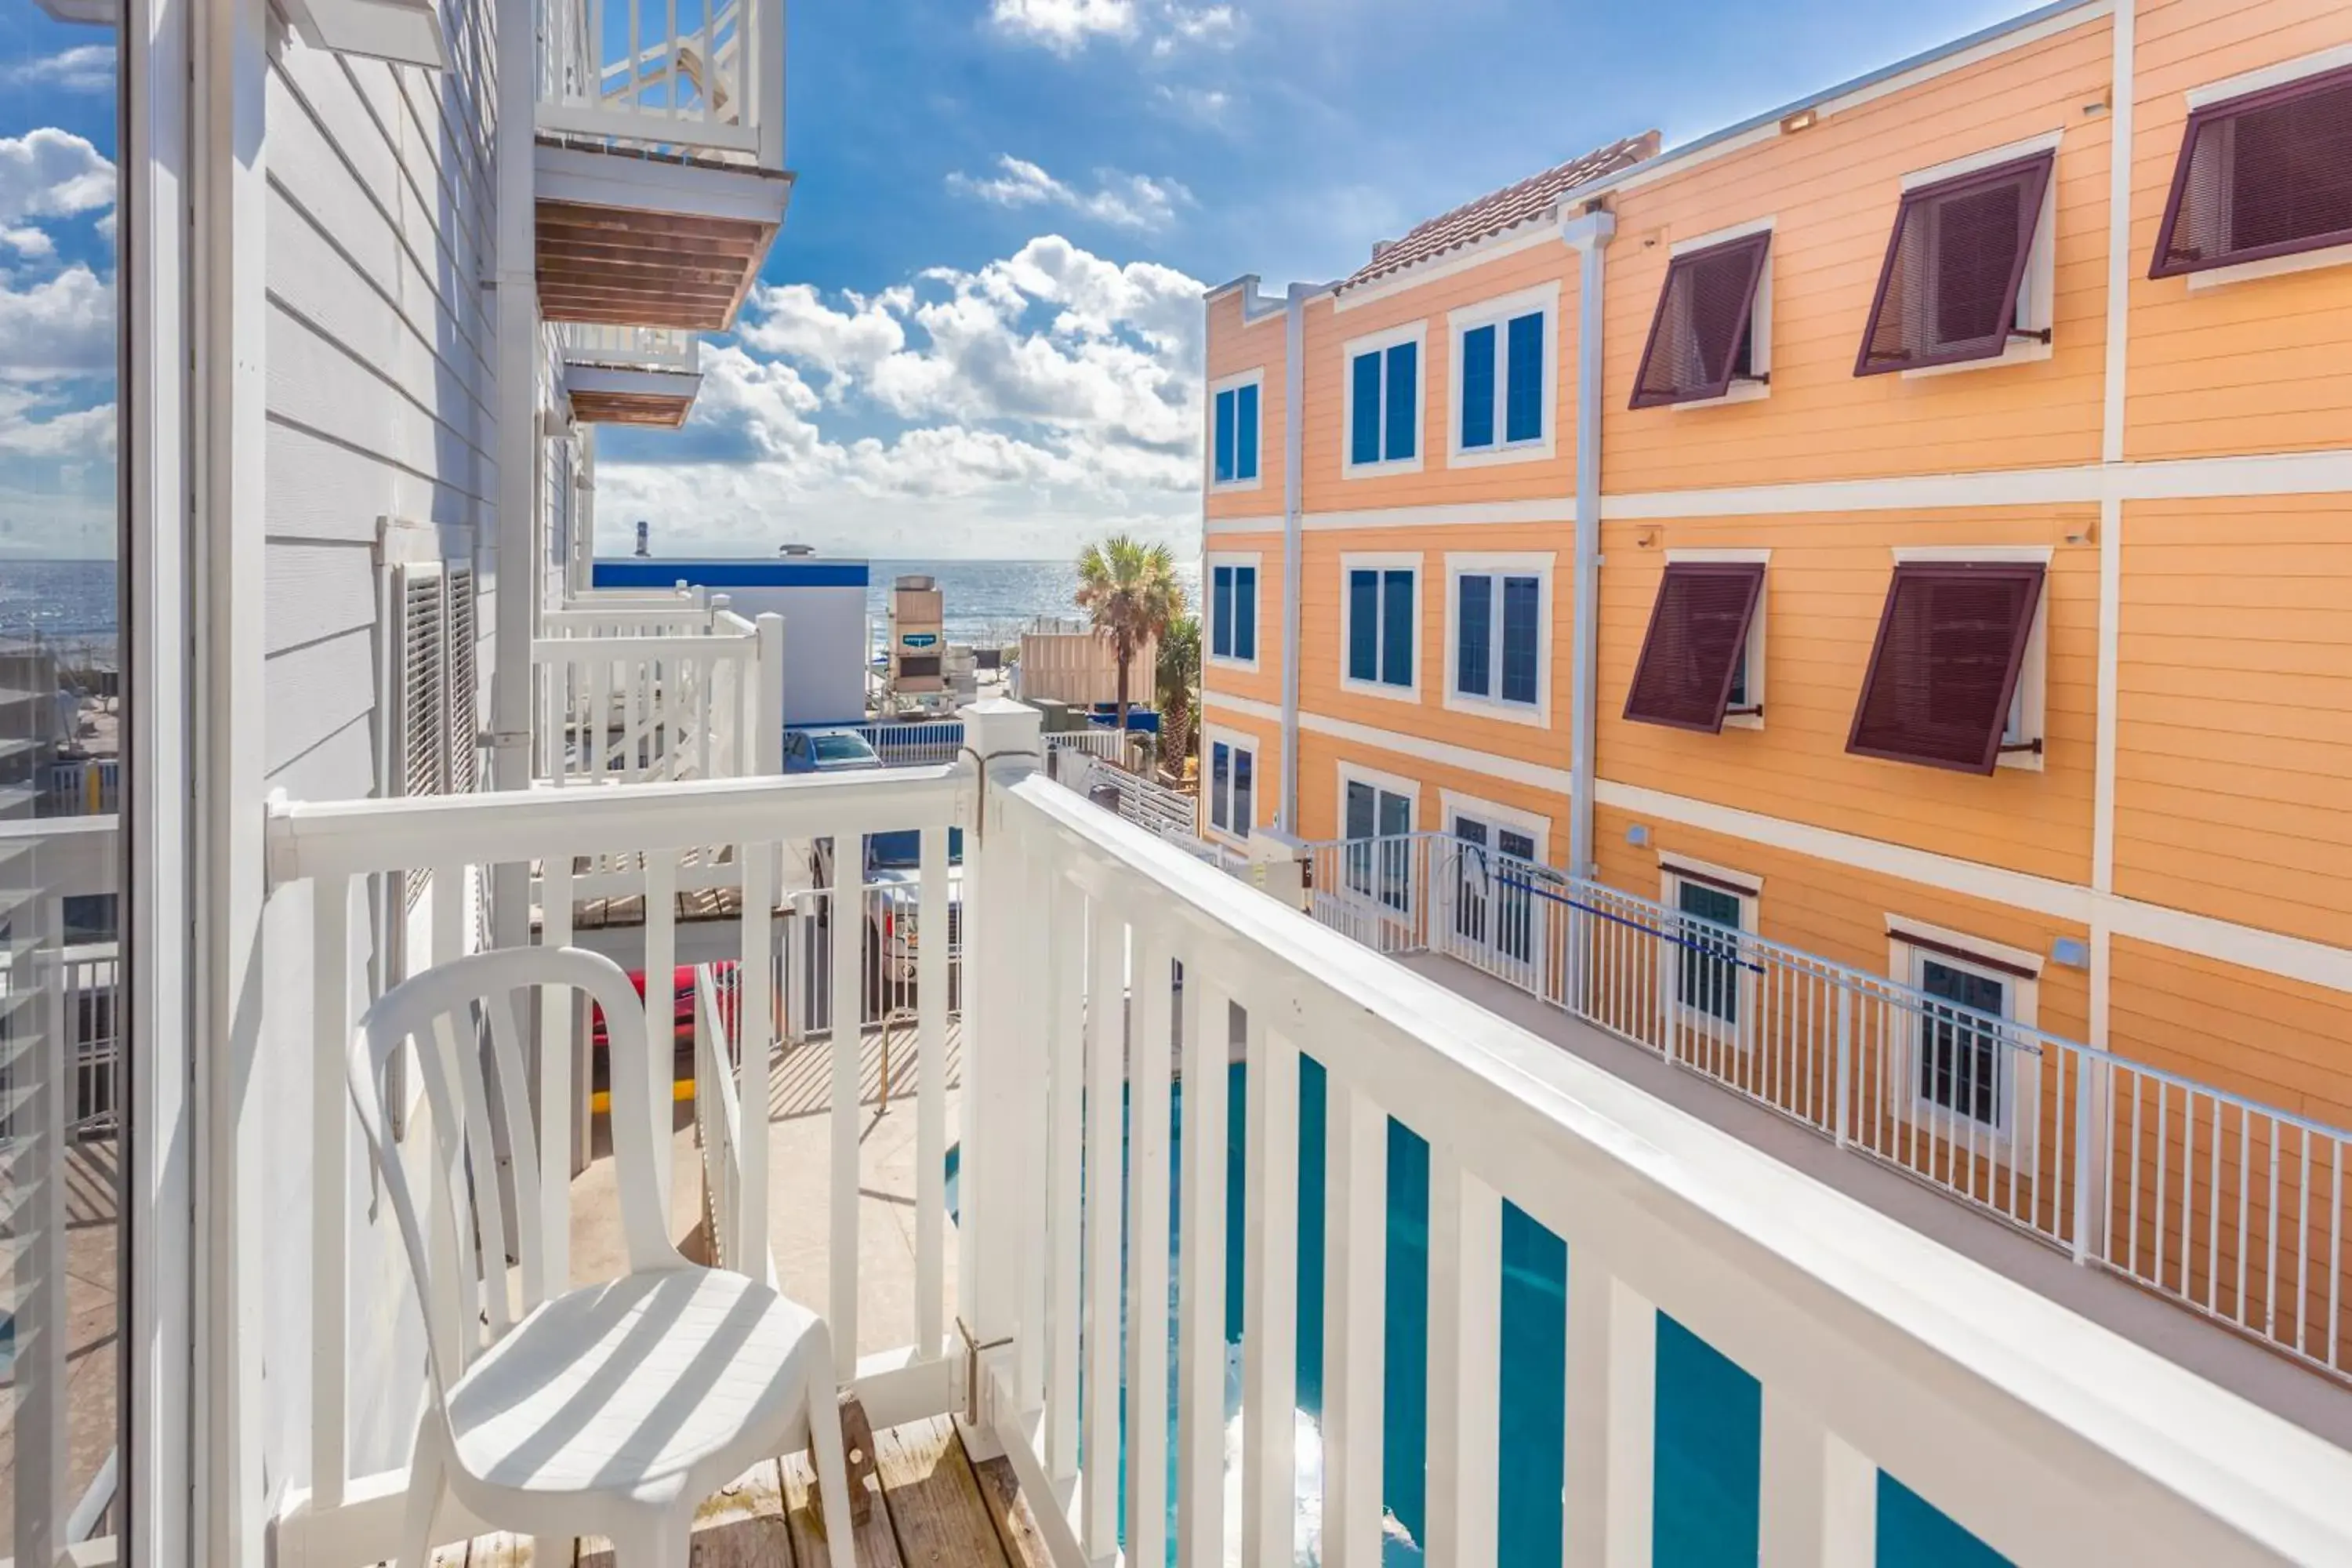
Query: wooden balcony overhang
x=642, y=238
x=616, y=394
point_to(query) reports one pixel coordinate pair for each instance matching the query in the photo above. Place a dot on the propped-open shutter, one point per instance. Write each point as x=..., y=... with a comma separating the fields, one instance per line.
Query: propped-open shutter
x=1947, y=289
x=1951, y=645
x=2266, y=175
x=465, y=699
x=420, y=629
x=1699, y=633
x=1698, y=336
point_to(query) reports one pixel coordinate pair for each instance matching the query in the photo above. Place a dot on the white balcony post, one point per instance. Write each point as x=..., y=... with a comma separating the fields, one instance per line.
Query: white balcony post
x=764, y=747
x=1006, y=739
x=1612, y=1360
x=767, y=41
x=1818, y=1495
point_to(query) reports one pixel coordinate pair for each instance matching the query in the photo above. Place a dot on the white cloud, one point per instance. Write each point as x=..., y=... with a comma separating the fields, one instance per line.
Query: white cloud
x=63, y=326
x=49, y=173
x=1038, y=399
x=1203, y=105
x=29, y=243
x=79, y=433
x=1217, y=27
x=1125, y=201
x=87, y=68
x=1064, y=26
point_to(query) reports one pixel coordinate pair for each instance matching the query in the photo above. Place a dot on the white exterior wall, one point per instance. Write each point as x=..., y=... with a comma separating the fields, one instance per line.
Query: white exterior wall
x=381, y=405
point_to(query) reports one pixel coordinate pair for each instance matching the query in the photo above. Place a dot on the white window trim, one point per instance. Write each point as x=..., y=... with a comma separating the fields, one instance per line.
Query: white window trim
x=2019, y=1092
x=1415, y=333
x=1394, y=784
x=2030, y=707
x=1754, y=660
x=1481, y=564
x=1543, y=299
x=2037, y=292
x=1384, y=561
x=1692, y=1028
x=1209, y=564
x=1371, y=901
x=1214, y=735
x=1234, y=382
x=1494, y=813
x=1757, y=386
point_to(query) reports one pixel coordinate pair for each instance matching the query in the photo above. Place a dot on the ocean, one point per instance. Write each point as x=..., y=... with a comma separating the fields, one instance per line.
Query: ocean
x=986, y=601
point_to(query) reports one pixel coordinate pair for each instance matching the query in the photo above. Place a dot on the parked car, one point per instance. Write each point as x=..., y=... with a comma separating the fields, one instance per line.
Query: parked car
x=681, y=1016
x=892, y=879
x=828, y=749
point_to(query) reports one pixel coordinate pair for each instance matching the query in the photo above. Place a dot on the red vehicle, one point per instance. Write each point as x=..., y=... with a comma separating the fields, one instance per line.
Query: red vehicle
x=681, y=1003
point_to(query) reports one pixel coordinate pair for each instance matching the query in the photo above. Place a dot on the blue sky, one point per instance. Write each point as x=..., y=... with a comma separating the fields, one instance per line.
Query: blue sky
x=979, y=331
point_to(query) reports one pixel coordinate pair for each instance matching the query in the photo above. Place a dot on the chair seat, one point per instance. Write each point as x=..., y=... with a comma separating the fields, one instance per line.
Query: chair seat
x=625, y=1388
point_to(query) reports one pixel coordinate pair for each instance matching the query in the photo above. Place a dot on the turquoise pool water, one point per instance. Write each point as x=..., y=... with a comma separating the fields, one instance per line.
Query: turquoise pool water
x=1708, y=1410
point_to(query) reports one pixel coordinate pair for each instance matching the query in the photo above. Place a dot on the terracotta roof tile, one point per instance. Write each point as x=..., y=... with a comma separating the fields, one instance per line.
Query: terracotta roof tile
x=1503, y=209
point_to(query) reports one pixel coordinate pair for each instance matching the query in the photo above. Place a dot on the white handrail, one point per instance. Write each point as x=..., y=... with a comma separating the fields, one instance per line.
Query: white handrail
x=626, y=71
x=2052, y=1439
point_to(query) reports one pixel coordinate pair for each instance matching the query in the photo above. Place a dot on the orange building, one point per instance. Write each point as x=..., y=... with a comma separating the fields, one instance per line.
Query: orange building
x=1896, y=527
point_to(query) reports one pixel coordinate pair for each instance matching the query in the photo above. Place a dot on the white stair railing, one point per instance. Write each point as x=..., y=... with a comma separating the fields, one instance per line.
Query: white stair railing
x=628, y=696
x=1876, y=1350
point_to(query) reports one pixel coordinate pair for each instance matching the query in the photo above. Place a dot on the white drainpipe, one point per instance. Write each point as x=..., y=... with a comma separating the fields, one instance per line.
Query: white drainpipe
x=1294, y=382
x=1589, y=233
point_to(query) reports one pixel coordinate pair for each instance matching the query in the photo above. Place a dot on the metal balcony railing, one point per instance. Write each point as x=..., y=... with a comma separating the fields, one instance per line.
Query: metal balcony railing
x=2232, y=1208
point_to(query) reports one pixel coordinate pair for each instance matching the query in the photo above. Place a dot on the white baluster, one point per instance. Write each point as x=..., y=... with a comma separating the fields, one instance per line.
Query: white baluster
x=1355, y=1322
x=1066, y=972
x=848, y=991
x=331, y=1118
x=1147, y=1253
x=1270, y=1298
x=1465, y=1327
x=933, y=933
x=1200, y=1355
x=1818, y=1495
x=755, y=1041
x=1106, y=1064
x=1611, y=1404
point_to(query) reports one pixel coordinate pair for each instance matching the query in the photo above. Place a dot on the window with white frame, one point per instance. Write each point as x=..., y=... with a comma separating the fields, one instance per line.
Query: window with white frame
x=1379, y=609
x=1501, y=886
x=1711, y=339
x=1382, y=393
x=1957, y=677
x=1498, y=651
x=1232, y=785
x=1233, y=609
x=1235, y=430
x=1709, y=968
x=1962, y=1042
x=1376, y=816
x=1505, y=377
x=1971, y=274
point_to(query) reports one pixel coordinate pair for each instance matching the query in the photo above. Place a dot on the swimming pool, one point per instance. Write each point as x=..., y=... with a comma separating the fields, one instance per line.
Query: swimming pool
x=1709, y=1411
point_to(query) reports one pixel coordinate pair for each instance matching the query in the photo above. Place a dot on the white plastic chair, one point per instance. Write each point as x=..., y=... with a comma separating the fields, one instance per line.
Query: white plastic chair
x=613, y=1409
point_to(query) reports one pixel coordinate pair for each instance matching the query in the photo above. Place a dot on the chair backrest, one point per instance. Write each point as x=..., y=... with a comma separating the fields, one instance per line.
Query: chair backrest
x=459, y=1244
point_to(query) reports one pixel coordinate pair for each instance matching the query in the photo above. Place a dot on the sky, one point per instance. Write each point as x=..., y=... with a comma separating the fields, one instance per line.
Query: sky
x=979, y=331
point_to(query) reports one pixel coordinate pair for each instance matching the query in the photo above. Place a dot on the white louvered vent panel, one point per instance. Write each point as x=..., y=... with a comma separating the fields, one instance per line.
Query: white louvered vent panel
x=465, y=683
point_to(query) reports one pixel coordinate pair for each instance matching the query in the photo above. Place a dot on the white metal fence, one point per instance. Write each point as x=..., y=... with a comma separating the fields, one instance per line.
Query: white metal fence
x=2226, y=1206
x=918, y=743
x=1168, y=812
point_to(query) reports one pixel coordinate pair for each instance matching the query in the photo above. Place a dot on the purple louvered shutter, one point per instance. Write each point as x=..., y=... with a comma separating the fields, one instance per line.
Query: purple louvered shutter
x=2266, y=175
x=1699, y=338
x=1947, y=289
x=1951, y=642
x=1699, y=633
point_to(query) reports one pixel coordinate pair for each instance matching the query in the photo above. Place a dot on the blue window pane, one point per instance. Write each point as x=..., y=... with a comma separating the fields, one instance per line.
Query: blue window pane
x=1246, y=433
x=1706, y=1455
x=1224, y=469
x=1404, y=365
x=1359, y=809
x=1522, y=597
x=1478, y=387
x=1221, y=612
x=1364, y=433
x=1474, y=636
x=1396, y=629
x=1221, y=784
x=1244, y=764
x=1245, y=612
x=1523, y=412
x=1363, y=625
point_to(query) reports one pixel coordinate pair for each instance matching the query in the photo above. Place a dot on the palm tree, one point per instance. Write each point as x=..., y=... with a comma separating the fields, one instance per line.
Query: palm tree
x=1129, y=589
x=1180, y=681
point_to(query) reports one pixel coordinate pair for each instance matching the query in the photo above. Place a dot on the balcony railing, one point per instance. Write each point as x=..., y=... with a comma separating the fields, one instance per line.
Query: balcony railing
x=667, y=689
x=703, y=77
x=627, y=348
x=2227, y=1207
x=1111, y=973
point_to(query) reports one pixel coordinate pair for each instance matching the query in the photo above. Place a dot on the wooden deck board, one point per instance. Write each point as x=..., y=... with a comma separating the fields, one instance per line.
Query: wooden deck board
x=932, y=1509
